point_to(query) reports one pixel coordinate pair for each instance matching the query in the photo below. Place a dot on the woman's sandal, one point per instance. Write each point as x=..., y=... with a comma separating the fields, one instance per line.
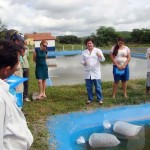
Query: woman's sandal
x=39, y=98
x=44, y=96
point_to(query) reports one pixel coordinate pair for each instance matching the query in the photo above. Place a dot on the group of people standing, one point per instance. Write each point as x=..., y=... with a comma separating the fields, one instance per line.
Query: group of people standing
x=39, y=57
x=14, y=133
x=120, y=56
x=91, y=57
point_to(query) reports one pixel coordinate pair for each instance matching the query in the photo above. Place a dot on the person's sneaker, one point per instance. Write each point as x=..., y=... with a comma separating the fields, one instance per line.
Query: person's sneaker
x=101, y=102
x=27, y=100
x=88, y=102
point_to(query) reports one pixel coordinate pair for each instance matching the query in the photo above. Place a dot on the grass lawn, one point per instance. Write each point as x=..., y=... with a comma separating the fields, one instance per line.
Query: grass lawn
x=64, y=99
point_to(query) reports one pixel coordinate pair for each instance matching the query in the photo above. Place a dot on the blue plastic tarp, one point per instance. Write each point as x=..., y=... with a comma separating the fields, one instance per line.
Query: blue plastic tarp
x=14, y=81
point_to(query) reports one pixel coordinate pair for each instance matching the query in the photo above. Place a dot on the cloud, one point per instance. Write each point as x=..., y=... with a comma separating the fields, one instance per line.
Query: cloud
x=80, y=18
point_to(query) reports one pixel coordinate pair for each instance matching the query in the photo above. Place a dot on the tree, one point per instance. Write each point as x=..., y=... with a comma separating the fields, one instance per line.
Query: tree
x=136, y=35
x=96, y=40
x=126, y=35
x=145, y=38
x=140, y=36
x=2, y=30
x=69, y=39
x=105, y=35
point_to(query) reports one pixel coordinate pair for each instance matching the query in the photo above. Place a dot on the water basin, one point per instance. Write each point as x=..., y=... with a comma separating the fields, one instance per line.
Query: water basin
x=69, y=71
x=65, y=129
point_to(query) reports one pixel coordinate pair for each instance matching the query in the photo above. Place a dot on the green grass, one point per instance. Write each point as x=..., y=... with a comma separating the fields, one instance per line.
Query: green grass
x=64, y=99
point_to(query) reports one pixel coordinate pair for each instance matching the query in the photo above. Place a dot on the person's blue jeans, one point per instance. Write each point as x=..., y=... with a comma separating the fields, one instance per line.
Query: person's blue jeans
x=98, y=89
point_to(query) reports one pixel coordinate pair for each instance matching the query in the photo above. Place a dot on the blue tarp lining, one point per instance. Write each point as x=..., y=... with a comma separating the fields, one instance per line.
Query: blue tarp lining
x=48, y=48
x=14, y=81
x=78, y=52
x=64, y=53
x=61, y=127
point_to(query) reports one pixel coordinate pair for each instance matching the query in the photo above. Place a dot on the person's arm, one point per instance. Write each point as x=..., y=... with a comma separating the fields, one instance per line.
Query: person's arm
x=34, y=56
x=46, y=54
x=27, y=51
x=128, y=59
x=83, y=62
x=100, y=56
x=2, y=114
x=147, y=54
x=112, y=57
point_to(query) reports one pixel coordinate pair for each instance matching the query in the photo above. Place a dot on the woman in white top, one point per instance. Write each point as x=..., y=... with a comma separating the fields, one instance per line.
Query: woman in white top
x=120, y=56
x=91, y=58
x=148, y=71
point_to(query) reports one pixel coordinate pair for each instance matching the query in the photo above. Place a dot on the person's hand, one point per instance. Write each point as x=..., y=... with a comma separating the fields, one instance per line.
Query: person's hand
x=5, y=80
x=85, y=63
x=98, y=54
x=123, y=66
x=119, y=67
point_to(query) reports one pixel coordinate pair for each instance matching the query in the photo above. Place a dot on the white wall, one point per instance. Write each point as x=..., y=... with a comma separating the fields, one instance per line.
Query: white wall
x=51, y=43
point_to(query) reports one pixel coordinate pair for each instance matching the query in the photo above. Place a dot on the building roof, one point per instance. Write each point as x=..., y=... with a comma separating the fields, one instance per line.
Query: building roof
x=40, y=36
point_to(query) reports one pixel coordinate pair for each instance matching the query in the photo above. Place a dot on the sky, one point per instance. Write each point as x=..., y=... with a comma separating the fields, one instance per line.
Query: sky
x=74, y=17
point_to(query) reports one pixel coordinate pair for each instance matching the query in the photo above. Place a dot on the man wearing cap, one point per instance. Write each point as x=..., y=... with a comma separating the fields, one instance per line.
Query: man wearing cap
x=15, y=36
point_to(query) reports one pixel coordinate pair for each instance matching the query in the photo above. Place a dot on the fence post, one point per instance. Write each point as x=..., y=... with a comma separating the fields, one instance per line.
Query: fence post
x=72, y=47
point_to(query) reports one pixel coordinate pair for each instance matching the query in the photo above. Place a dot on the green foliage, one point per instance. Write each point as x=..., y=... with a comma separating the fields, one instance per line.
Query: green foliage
x=68, y=39
x=146, y=36
x=136, y=35
x=125, y=34
x=104, y=36
x=107, y=35
x=2, y=30
x=141, y=36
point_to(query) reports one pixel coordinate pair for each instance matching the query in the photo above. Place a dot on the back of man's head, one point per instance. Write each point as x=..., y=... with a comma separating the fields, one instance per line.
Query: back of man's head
x=14, y=35
x=8, y=53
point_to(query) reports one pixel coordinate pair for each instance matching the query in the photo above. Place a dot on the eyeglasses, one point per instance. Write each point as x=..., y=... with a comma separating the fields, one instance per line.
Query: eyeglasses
x=44, y=45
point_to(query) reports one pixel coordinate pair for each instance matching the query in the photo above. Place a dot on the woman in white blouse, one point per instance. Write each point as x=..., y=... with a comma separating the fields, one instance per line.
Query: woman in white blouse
x=120, y=56
x=91, y=58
